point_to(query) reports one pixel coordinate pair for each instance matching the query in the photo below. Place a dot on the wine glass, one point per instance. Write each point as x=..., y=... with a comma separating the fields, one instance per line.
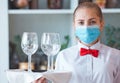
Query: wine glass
x=29, y=45
x=50, y=45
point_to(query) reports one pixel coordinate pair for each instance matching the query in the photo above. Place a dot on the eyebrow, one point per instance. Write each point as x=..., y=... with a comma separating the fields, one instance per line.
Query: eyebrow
x=83, y=20
x=92, y=19
x=79, y=20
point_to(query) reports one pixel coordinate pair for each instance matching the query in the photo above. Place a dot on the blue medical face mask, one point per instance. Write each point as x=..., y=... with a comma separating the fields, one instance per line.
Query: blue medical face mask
x=87, y=34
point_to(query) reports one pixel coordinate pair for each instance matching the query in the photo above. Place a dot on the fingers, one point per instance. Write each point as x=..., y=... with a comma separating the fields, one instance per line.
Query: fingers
x=41, y=80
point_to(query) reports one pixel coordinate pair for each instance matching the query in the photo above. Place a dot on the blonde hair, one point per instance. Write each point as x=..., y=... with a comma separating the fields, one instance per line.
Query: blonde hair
x=90, y=5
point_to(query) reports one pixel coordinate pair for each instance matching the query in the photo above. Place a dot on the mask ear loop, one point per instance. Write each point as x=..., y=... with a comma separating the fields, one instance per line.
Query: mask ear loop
x=81, y=42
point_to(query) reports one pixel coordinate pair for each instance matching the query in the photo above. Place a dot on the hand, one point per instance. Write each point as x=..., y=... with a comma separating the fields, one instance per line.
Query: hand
x=40, y=80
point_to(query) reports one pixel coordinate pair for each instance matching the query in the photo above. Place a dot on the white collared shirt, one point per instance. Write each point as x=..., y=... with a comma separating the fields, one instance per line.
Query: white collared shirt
x=88, y=69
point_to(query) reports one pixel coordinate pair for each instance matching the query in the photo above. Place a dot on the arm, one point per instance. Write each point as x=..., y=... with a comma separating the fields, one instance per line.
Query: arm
x=117, y=78
x=58, y=66
x=58, y=63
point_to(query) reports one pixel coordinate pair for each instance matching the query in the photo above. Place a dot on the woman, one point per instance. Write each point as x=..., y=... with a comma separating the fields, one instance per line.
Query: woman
x=89, y=60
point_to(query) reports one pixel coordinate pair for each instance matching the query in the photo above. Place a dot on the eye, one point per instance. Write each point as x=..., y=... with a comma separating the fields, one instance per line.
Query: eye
x=92, y=22
x=81, y=23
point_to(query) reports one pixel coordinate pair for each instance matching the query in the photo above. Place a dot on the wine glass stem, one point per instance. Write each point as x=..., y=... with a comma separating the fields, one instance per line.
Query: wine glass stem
x=29, y=63
x=52, y=65
x=48, y=66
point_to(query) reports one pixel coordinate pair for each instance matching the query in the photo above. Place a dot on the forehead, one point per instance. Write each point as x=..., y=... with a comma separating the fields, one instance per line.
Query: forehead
x=86, y=13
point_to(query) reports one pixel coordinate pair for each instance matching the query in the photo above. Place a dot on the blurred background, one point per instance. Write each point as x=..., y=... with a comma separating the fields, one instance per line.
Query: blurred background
x=18, y=16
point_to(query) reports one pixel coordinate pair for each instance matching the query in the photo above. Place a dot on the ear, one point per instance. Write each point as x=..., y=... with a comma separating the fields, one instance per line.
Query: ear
x=102, y=25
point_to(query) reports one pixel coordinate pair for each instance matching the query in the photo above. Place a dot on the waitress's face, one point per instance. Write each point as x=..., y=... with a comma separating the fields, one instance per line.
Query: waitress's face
x=87, y=17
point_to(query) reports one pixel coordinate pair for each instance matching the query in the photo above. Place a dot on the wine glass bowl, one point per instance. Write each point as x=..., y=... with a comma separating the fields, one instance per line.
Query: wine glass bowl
x=50, y=45
x=50, y=50
x=29, y=45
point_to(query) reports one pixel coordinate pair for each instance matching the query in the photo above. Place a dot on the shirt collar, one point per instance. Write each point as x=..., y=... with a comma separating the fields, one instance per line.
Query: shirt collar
x=95, y=46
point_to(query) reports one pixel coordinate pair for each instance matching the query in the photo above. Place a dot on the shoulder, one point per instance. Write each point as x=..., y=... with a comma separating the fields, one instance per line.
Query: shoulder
x=111, y=50
x=111, y=54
